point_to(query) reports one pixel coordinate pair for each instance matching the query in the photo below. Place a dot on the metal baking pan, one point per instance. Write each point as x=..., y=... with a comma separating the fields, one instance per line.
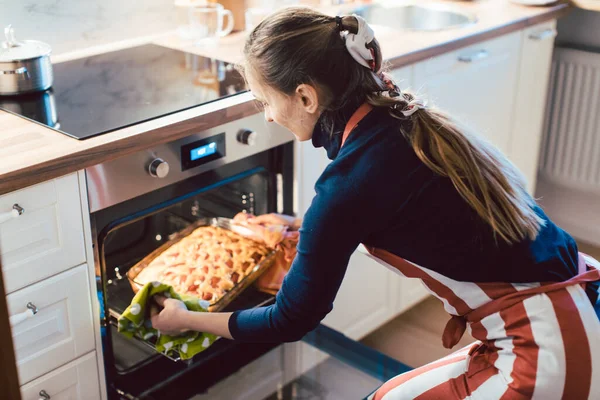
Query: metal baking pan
x=222, y=302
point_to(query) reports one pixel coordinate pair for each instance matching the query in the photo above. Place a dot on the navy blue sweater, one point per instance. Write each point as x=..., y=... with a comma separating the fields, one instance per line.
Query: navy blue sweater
x=376, y=191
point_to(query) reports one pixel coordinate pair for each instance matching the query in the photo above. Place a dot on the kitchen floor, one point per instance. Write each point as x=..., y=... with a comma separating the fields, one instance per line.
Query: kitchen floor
x=415, y=337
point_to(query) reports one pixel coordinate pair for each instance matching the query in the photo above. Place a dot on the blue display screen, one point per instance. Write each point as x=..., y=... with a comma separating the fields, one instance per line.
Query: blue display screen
x=203, y=151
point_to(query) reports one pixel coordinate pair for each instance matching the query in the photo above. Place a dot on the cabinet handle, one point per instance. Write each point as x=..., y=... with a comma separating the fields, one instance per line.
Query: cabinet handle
x=16, y=211
x=478, y=56
x=18, y=318
x=44, y=395
x=545, y=34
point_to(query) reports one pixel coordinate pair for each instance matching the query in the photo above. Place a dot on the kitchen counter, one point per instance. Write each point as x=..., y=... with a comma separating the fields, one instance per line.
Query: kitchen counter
x=32, y=153
x=592, y=5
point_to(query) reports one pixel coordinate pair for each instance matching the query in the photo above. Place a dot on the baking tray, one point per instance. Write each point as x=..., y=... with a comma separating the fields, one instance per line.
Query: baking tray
x=222, y=302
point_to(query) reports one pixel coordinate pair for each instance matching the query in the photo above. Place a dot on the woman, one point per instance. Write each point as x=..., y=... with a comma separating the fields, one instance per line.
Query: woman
x=426, y=199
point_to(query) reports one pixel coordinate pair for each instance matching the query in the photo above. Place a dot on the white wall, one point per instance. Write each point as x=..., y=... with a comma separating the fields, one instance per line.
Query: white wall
x=69, y=25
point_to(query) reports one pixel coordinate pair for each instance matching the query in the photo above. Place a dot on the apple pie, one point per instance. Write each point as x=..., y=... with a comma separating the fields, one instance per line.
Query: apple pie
x=207, y=263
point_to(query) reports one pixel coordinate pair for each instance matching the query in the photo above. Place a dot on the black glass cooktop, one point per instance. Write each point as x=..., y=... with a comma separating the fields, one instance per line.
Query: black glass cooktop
x=106, y=92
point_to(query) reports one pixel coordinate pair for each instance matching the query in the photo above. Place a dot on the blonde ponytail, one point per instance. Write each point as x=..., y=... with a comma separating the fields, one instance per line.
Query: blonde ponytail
x=486, y=180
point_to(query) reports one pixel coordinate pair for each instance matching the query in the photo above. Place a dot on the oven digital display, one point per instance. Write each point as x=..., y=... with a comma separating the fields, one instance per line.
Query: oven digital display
x=202, y=151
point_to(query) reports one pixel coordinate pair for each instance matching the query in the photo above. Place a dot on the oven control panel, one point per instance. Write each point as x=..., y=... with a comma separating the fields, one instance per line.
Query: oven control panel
x=203, y=151
x=127, y=177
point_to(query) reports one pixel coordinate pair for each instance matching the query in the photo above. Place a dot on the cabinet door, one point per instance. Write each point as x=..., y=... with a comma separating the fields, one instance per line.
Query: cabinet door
x=47, y=238
x=310, y=164
x=476, y=86
x=366, y=300
x=60, y=331
x=74, y=381
x=530, y=100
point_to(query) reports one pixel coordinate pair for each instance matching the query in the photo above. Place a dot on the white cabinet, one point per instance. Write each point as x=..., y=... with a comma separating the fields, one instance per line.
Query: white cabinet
x=310, y=163
x=47, y=238
x=48, y=268
x=530, y=98
x=476, y=86
x=367, y=298
x=75, y=381
x=60, y=331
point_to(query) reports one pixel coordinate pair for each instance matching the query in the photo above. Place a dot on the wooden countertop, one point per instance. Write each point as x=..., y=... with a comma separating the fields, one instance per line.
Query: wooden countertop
x=31, y=153
x=592, y=5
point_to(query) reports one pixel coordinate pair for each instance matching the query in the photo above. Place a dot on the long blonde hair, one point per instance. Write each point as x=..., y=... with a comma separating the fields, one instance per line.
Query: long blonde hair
x=300, y=45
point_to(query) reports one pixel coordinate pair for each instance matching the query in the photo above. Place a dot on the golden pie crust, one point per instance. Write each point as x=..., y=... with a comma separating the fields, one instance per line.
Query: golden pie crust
x=207, y=263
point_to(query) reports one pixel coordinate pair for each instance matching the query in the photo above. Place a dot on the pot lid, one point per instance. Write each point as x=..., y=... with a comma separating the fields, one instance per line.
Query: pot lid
x=13, y=50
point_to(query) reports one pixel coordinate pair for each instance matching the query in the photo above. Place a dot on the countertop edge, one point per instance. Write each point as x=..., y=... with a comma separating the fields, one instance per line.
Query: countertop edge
x=432, y=51
x=108, y=150
x=78, y=160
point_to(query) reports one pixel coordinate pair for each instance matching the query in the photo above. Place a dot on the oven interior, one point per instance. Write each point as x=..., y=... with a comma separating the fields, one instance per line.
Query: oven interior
x=127, y=234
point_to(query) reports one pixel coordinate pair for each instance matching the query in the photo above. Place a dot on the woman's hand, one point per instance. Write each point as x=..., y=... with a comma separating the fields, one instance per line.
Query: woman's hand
x=276, y=219
x=172, y=319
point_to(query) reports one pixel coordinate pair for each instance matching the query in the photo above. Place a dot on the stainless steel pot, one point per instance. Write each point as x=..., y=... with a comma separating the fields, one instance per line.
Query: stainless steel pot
x=25, y=66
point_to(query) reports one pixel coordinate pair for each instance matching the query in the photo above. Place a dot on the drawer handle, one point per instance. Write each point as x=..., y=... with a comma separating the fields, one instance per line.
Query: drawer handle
x=16, y=211
x=44, y=395
x=18, y=318
x=478, y=56
x=545, y=34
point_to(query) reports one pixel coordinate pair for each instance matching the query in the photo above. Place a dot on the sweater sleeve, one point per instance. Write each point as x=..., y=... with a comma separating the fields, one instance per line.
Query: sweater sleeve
x=332, y=229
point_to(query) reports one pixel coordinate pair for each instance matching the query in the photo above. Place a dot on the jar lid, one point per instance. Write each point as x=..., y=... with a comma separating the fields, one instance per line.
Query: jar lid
x=13, y=50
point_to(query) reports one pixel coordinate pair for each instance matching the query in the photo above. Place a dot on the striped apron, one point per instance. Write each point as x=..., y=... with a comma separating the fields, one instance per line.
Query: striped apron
x=534, y=340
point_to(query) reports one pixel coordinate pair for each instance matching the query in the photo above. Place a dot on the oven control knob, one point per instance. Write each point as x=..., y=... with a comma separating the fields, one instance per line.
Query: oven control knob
x=246, y=136
x=158, y=168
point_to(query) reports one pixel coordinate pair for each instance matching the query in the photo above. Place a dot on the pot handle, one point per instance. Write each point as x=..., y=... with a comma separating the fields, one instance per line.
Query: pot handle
x=9, y=34
x=18, y=71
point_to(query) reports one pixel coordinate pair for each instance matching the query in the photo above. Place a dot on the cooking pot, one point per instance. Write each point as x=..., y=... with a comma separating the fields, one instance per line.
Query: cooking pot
x=25, y=66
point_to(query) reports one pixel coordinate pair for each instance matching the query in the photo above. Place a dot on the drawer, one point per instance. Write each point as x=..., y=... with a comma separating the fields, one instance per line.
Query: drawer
x=47, y=238
x=490, y=51
x=75, y=381
x=62, y=329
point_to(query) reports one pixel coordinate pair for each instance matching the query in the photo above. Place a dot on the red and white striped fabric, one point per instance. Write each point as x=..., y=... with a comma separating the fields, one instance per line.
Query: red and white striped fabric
x=535, y=340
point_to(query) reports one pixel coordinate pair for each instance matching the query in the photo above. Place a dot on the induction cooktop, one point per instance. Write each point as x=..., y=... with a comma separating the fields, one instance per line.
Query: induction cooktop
x=103, y=93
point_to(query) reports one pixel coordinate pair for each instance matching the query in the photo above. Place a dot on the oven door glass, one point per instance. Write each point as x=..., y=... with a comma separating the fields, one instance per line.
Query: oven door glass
x=133, y=368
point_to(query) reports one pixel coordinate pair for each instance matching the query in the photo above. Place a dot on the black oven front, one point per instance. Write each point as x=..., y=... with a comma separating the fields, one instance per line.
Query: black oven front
x=137, y=202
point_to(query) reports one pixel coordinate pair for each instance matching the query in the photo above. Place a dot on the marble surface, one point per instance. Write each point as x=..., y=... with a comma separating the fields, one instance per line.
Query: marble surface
x=69, y=25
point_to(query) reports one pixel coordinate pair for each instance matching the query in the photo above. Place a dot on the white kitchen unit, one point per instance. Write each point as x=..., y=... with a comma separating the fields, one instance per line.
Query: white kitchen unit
x=71, y=382
x=62, y=328
x=50, y=284
x=47, y=237
x=476, y=86
x=530, y=99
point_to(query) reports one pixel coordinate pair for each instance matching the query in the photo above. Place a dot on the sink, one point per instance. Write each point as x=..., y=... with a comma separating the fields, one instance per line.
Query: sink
x=429, y=17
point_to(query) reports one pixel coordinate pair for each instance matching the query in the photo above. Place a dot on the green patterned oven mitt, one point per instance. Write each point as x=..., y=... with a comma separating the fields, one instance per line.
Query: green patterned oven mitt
x=136, y=321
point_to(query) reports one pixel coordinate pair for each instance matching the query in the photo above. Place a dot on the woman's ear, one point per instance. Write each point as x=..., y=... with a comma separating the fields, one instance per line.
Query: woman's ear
x=308, y=97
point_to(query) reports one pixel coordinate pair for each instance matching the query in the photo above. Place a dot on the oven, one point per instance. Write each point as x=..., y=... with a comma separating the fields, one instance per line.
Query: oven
x=139, y=201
